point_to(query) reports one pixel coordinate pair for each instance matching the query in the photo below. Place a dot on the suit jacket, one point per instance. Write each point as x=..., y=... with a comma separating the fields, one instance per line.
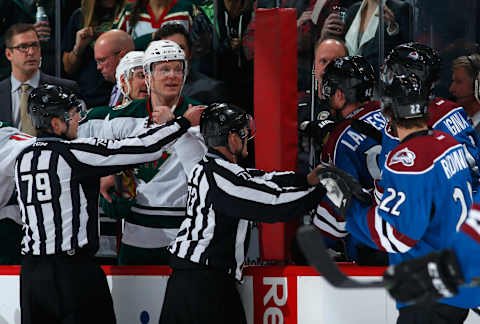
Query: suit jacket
x=6, y=96
x=403, y=16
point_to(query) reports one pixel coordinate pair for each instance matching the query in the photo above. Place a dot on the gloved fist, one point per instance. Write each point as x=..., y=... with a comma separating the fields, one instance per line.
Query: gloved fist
x=118, y=208
x=318, y=130
x=426, y=279
x=341, y=187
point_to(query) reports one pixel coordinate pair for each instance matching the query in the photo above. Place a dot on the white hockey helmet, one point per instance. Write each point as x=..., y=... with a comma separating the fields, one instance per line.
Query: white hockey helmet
x=130, y=61
x=162, y=51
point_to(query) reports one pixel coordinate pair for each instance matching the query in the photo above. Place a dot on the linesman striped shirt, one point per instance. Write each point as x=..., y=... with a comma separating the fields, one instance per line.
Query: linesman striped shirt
x=58, y=184
x=223, y=197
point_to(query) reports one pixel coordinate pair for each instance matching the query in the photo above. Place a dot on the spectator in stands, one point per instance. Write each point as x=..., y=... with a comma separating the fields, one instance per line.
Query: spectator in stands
x=465, y=86
x=361, y=32
x=142, y=17
x=326, y=50
x=24, y=53
x=311, y=15
x=86, y=24
x=226, y=53
x=23, y=11
x=198, y=86
x=110, y=47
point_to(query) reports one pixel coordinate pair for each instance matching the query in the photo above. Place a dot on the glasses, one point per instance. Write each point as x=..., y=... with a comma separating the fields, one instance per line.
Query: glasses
x=102, y=61
x=25, y=47
x=164, y=71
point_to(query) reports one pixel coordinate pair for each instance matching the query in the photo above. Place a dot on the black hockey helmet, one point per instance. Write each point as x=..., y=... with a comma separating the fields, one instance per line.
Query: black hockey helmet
x=405, y=97
x=353, y=75
x=218, y=120
x=414, y=58
x=49, y=101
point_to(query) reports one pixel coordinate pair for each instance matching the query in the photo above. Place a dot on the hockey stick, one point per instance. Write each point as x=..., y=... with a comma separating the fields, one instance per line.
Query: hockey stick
x=311, y=243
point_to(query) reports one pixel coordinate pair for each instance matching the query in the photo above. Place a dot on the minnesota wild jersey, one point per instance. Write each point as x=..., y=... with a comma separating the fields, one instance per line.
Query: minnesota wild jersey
x=161, y=185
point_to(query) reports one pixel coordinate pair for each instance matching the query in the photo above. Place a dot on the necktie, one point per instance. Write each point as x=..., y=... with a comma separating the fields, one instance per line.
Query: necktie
x=115, y=96
x=27, y=126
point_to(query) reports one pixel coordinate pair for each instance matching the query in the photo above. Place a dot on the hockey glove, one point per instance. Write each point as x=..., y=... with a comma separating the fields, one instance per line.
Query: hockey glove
x=319, y=130
x=341, y=187
x=426, y=279
x=118, y=208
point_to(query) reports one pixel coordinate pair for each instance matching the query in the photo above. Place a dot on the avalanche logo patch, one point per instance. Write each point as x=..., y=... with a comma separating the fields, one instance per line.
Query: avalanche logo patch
x=404, y=156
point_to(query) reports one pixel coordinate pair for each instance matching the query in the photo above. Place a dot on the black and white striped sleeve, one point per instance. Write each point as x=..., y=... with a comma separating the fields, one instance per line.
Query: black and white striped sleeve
x=109, y=156
x=260, y=199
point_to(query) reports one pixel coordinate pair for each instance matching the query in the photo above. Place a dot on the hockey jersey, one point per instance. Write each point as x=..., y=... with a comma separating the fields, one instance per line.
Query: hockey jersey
x=93, y=123
x=427, y=191
x=467, y=245
x=354, y=153
x=161, y=186
x=178, y=11
x=12, y=142
x=446, y=116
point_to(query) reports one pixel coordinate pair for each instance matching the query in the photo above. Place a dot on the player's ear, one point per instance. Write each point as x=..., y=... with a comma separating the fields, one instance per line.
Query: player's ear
x=56, y=125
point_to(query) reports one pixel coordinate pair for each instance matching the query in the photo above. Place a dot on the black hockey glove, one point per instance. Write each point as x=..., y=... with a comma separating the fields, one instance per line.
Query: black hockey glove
x=341, y=187
x=319, y=129
x=426, y=279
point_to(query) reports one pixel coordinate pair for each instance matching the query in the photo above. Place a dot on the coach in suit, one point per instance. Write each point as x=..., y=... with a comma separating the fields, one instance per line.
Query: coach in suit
x=24, y=53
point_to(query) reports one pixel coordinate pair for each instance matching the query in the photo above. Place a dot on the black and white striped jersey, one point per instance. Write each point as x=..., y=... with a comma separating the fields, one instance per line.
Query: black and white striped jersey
x=223, y=197
x=58, y=184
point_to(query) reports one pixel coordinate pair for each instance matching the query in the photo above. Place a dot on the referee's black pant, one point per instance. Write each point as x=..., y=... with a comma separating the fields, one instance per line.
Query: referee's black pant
x=435, y=313
x=64, y=289
x=199, y=295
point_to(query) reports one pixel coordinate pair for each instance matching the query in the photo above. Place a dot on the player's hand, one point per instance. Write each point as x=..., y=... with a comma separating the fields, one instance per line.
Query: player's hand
x=312, y=177
x=193, y=114
x=426, y=279
x=43, y=29
x=340, y=188
x=118, y=207
x=162, y=114
x=107, y=183
x=333, y=25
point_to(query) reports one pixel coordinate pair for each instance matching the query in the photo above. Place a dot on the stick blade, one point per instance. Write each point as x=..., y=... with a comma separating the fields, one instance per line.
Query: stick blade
x=311, y=243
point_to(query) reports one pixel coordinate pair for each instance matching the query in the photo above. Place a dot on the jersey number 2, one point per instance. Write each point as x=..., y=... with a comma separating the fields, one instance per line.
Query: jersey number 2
x=458, y=196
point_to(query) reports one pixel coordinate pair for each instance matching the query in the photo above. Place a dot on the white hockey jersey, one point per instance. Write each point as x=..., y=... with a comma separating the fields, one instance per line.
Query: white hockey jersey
x=161, y=186
x=12, y=142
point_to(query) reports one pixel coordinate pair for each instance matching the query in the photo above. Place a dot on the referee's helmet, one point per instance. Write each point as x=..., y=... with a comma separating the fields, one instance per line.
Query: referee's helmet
x=219, y=120
x=48, y=101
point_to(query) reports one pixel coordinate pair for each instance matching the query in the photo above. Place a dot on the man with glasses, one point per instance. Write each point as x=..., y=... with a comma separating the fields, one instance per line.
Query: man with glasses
x=109, y=49
x=24, y=53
